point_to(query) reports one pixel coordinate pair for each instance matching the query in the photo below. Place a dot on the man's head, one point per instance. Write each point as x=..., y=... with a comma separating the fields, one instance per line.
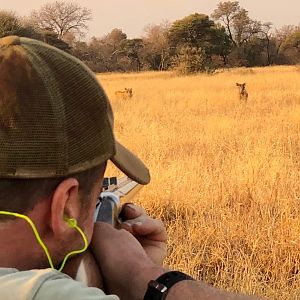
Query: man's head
x=56, y=134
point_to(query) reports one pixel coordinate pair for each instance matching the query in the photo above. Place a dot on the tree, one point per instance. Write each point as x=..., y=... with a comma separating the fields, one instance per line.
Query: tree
x=259, y=49
x=190, y=60
x=62, y=17
x=239, y=26
x=226, y=12
x=291, y=47
x=244, y=28
x=197, y=31
x=9, y=23
x=115, y=38
x=192, y=31
x=51, y=38
x=156, y=50
x=221, y=43
x=252, y=40
x=114, y=42
x=132, y=50
x=266, y=39
x=292, y=41
x=282, y=34
x=95, y=54
x=287, y=49
x=113, y=52
x=100, y=54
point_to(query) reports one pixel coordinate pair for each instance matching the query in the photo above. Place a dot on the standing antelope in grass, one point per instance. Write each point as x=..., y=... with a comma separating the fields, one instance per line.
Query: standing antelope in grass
x=242, y=91
x=126, y=94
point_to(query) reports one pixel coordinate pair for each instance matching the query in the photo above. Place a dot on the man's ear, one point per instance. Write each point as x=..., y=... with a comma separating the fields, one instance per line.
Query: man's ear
x=65, y=204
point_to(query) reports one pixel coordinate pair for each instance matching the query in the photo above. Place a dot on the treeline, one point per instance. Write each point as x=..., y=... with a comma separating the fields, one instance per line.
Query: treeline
x=196, y=43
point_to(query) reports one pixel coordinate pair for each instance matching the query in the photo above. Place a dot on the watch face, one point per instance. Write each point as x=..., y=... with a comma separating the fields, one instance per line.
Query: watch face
x=156, y=291
x=158, y=286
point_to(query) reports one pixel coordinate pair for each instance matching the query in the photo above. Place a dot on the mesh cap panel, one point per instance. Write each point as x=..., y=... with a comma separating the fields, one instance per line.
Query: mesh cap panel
x=54, y=116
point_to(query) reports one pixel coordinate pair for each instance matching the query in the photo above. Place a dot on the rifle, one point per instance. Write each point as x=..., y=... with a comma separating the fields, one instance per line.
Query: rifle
x=115, y=193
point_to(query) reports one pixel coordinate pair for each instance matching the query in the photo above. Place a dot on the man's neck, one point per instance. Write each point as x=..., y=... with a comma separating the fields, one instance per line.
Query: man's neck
x=19, y=247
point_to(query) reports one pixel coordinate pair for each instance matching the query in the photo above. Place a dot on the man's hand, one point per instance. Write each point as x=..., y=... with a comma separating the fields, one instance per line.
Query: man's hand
x=131, y=256
x=125, y=266
x=151, y=233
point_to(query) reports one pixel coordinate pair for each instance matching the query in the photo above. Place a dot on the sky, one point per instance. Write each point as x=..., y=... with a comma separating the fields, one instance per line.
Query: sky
x=132, y=16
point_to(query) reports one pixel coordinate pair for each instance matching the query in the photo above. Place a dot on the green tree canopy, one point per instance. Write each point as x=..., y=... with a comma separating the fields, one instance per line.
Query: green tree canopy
x=197, y=31
x=193, y=31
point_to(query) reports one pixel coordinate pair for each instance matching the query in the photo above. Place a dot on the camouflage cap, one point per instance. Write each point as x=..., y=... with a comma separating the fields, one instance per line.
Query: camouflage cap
x=55, y=118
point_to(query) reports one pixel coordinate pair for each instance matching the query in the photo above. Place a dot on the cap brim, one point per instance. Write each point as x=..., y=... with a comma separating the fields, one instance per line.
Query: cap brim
x=130, y=165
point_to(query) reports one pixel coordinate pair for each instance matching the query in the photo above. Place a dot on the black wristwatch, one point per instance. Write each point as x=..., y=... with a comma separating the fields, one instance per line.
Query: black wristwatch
x=158, y=289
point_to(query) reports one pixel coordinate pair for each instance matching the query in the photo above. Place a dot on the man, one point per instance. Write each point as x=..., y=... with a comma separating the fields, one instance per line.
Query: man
x=56, y=135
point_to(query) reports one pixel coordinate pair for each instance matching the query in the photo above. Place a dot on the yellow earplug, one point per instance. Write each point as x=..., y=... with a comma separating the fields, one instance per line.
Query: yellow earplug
x=71, y=221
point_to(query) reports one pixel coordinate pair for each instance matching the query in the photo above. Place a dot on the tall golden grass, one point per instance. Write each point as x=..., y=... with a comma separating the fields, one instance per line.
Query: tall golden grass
x=225, y=175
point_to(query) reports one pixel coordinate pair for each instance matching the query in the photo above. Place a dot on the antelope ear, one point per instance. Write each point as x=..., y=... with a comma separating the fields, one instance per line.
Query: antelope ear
x=237, y=84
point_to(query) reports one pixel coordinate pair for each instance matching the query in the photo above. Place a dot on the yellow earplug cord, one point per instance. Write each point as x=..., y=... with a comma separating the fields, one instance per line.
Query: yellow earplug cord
x=72, y=223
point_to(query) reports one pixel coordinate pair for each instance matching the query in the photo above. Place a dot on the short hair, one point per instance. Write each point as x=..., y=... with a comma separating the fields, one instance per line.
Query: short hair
x=21, y=195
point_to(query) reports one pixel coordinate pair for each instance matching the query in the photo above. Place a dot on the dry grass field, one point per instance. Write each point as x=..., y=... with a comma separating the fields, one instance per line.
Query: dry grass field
x=225, y=174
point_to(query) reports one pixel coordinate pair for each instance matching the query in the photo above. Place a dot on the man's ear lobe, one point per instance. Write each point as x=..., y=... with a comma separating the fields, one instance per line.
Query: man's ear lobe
x=65, y=204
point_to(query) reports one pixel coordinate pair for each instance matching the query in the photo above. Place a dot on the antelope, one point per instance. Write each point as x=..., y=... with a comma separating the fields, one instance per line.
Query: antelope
x=126, y=94
x=242, y=91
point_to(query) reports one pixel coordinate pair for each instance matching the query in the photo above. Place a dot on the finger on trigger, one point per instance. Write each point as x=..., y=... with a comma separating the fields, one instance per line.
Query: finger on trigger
x=140, y=219
x=131, y=211
x=127, y=226
x=151, y=227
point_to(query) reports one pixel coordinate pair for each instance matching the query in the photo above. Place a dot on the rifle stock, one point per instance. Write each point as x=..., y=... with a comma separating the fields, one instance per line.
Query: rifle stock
x=116, y=192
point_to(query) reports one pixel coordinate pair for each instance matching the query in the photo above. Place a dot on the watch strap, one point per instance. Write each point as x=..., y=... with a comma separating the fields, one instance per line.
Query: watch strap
x=158, y=289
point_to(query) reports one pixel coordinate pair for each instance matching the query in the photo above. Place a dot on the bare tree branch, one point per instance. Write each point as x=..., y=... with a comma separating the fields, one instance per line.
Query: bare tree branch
x=62, y=18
